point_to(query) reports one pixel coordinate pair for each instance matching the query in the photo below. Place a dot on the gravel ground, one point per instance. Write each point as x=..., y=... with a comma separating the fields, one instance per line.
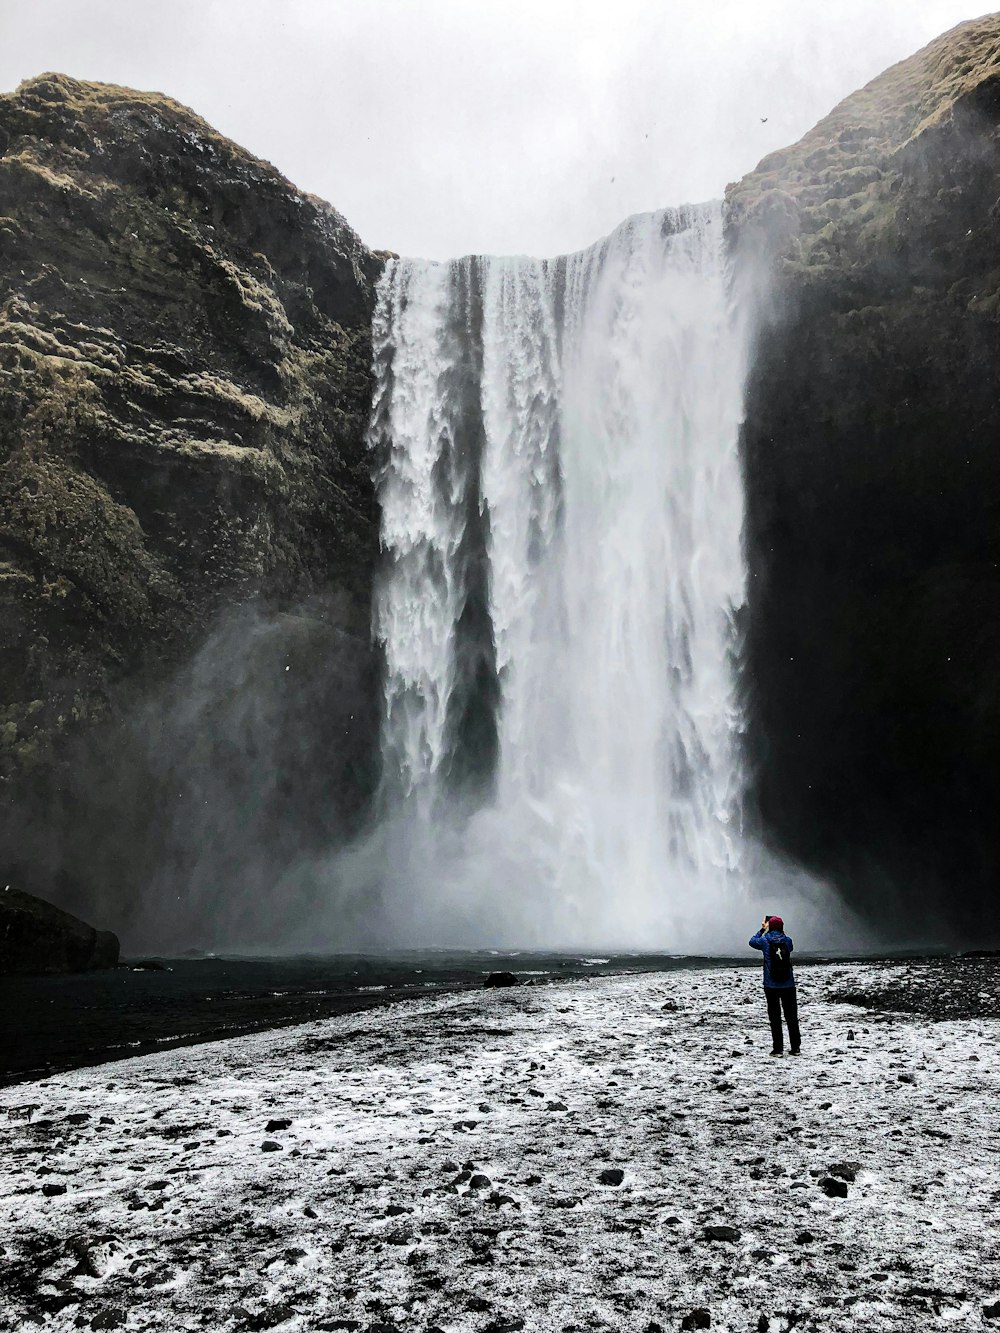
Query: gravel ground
x=940, y=988
x=618, y=1155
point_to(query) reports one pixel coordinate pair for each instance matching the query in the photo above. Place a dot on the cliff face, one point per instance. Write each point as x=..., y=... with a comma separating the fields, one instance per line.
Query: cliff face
x=184, y=389
x=873, y=476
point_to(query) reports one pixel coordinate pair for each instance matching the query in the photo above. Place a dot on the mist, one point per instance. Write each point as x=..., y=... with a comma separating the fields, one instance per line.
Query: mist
x=445, y=128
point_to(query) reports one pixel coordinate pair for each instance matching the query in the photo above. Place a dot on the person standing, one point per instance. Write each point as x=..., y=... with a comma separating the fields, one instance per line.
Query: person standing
x=779, y=983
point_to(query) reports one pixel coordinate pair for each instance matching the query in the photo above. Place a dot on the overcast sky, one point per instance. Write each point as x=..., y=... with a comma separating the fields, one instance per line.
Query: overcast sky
x=445, y=126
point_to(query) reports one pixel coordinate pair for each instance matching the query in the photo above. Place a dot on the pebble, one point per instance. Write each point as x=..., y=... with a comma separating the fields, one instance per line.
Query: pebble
x=720, y=1231
x=834, y=1189
x=698, y=1318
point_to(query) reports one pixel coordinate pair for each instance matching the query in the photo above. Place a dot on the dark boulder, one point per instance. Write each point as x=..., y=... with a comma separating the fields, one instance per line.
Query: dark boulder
x=501, y=979
x=36, y=937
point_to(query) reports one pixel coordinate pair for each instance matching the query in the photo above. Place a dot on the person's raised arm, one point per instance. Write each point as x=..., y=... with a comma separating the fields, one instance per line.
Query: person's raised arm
x=757, y=941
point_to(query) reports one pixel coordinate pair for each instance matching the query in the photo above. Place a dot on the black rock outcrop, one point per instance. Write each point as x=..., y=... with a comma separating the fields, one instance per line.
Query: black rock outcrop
x=872, y=473
x=36, y=937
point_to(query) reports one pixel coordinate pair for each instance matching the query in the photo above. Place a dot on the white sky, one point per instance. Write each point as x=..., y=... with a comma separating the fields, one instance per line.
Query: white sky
x=440, y=127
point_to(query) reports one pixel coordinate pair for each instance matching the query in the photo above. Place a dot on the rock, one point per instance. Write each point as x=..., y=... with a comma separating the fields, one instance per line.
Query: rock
x=804, y=1238
x=269, y=1145
x=186, y=356
x=698, y=1318
x=864, y=376
x=109, y=1319
x=557, y=1106
x=503, y=1325
x=478, y=1304
x=480, y=1182
x=835, y=1189
x=612, y=1175
x=992, y=1311
x=269, y=1317
x=844, y=1170
x=496, y=979
x=36, y=937
x=50, y=1190
x=273, y=1125
x=449, y=1165
x=721, y=1232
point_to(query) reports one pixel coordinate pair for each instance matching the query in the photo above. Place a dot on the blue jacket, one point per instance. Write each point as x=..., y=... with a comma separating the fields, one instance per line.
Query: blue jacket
x=763, y=942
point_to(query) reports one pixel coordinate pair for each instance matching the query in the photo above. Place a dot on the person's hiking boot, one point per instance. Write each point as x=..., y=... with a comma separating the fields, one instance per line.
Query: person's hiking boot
x=796, y=1050
x=777, y=1052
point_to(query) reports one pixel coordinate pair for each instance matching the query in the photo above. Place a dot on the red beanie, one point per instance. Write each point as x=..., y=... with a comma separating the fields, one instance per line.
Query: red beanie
x=777, y=923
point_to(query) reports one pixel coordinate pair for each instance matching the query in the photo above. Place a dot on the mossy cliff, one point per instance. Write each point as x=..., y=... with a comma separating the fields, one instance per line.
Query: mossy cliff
x=872, y=448
x=184, y=388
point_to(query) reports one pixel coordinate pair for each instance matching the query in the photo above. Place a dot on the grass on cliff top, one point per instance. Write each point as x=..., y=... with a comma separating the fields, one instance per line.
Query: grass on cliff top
x=875, y=122
x=86, y=101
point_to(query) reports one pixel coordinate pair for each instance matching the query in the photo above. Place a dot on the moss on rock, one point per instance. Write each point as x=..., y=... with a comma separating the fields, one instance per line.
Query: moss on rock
x=185, y=367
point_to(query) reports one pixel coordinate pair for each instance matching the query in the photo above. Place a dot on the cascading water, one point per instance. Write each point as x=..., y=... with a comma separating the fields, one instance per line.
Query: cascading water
x=562, y=511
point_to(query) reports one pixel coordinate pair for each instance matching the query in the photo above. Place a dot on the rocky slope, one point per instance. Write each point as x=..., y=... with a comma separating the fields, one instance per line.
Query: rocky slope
x=184, y=388
x=872, y=480
x=37, y=937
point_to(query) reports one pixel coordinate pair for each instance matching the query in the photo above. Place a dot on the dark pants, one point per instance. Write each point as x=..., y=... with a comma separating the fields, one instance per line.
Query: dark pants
x=787, y=1000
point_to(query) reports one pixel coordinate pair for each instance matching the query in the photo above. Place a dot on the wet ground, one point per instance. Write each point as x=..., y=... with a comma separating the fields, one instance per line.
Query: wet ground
x=609, y=1157
x=58, y=1023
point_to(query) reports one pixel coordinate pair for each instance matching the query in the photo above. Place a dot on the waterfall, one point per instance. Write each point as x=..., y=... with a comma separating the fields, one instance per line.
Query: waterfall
x=556, y=446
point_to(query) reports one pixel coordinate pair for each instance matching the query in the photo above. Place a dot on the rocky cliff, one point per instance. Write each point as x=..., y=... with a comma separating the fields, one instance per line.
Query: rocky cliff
x=873, y=477
x=184, y=388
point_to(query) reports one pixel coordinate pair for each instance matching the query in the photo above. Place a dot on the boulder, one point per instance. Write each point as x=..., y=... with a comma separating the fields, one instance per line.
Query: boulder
x=501, y=979
x=36, y=937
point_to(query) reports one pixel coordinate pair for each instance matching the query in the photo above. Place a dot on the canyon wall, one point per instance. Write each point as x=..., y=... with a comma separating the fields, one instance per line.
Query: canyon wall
x=185, y=379
x=872, y=465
